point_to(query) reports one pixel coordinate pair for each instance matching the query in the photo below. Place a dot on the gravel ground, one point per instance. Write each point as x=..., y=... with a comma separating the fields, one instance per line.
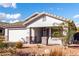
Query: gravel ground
x=42, y=50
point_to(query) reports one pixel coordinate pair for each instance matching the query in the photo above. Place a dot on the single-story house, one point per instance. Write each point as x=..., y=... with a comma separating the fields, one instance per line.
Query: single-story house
x=41, y=28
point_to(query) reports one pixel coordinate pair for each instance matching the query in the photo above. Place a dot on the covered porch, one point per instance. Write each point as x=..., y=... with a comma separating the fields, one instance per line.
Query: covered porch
x=45, y=35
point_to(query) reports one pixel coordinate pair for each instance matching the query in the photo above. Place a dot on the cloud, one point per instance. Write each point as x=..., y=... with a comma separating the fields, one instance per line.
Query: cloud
x=60, y=8
x=2, y=16
x=76, y=16
x=14, y=21
x=3, y=20
x=10, y=17
x=5, y=5
x=13, y=16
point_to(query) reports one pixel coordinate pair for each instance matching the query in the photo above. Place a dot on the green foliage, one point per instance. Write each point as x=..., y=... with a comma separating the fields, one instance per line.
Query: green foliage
x=56, y=34
x=71, y=31
x=77, y=28
x=3, y=45
x=57, y=31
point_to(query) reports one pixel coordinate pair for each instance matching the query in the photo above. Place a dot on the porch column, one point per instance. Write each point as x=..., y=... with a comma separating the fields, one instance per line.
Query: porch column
x=7, y=34
x=50, y=34
x=30, y=36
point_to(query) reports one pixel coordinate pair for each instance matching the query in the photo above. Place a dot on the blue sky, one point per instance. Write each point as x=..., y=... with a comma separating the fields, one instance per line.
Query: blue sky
x=14, y=12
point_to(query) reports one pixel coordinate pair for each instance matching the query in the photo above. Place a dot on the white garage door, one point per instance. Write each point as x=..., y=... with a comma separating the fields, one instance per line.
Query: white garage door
x=18, y=35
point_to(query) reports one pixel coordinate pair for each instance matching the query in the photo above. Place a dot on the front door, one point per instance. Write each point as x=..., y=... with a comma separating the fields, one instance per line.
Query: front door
x=38, y=35
x=45, y=32
x=45, y=36
x=41, y=32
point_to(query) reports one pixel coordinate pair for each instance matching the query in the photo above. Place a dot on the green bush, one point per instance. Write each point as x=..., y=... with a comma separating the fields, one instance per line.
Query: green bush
x=56, y=34
x=18, y=44
x=3, y=45
x=39, y=46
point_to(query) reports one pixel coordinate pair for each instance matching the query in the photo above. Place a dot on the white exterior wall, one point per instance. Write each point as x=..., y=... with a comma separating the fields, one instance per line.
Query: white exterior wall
x=41, y=22
x=18, y=34
x=32, y=32
x=6, y=31
x=6, y=34
x=55, y=41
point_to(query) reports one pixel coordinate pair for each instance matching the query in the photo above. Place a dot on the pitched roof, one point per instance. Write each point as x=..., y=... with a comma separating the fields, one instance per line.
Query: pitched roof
x=33, y=15
x=50, y=15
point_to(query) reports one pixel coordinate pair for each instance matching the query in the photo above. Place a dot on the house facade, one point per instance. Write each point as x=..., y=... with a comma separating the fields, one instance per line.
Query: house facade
x=41, y=28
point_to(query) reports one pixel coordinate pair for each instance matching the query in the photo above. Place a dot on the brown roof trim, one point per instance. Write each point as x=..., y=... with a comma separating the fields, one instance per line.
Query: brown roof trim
x=16, y=27
x=33, y=18
x=57, y=17
x=33, y=15
x=50, y=15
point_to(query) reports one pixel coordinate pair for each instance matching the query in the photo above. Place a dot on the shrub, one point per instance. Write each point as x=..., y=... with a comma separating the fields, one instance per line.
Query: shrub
x=18, y=44
x=3, y=45
x=39, y=46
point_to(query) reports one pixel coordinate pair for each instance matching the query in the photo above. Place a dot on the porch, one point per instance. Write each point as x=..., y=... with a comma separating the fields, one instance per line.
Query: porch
x=46, y=35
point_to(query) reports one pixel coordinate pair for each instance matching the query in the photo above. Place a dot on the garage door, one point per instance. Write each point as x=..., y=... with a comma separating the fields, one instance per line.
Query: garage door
x=18, y=35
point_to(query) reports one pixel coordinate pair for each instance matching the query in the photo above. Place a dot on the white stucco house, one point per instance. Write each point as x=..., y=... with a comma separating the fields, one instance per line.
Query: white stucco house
x=41, y=28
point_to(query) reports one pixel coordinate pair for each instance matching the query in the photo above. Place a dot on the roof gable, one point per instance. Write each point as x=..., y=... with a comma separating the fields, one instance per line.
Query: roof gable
x=44, y=21
x=47, y=14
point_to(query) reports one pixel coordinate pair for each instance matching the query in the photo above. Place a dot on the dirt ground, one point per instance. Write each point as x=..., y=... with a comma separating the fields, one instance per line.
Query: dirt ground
x=43, y=50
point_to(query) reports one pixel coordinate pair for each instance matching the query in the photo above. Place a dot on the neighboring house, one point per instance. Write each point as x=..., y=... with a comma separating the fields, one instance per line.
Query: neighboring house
x=39, y=28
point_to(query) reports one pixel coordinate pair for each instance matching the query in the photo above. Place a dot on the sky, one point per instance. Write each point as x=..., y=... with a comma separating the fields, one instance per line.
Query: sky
x=15, y=12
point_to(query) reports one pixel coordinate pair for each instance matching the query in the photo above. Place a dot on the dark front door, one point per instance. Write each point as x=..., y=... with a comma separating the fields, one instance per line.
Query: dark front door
x=45, y=35
x=38, y=35
x=45, y=32
x=41, y=32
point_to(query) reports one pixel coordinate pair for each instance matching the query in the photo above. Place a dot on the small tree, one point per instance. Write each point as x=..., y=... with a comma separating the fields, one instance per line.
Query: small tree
x=71, y=31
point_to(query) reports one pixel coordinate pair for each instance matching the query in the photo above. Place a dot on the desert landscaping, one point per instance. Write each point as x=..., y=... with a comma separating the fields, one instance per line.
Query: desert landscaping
x=39, y=50
x=43, y=50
